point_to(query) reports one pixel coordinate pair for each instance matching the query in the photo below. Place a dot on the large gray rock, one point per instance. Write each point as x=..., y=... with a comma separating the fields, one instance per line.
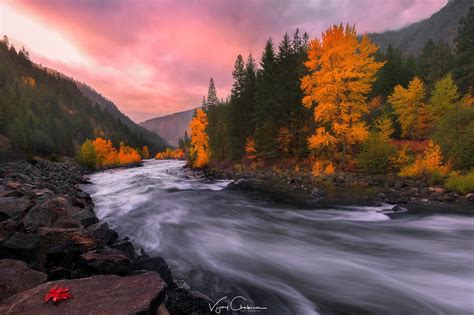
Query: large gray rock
x=26, y=247
x=38, y=217
x=86, y=217
x=141, y=294
x=107, y=261
x=16, y=276
x=12, y=206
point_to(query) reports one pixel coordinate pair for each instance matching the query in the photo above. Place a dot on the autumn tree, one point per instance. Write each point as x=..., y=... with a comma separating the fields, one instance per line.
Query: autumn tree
x=145, y=152
x=411, y=109
x=199, y=151
x=444, y=97
x=104, y=151
x=342, y=69
x=87, y=156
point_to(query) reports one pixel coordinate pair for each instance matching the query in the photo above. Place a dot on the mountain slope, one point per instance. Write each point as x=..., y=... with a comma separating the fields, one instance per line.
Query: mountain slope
x=171, y=127
x=441, y=25
x=44, y=112
x=104, y=103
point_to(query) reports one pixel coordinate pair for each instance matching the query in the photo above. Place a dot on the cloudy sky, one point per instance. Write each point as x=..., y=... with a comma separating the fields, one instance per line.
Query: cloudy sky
x=156, y=57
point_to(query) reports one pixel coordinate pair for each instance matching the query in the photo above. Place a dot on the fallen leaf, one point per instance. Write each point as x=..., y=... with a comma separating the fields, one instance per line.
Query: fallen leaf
x=57, y=294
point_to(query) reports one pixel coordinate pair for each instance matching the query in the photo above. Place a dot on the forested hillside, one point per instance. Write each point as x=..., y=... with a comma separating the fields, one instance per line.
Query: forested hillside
x=338, y=103
x=170, y=127
x=45, y=113
x=442, y=25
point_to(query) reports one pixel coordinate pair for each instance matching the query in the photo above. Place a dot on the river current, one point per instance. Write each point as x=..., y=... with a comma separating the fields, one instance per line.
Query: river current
x=286, y=257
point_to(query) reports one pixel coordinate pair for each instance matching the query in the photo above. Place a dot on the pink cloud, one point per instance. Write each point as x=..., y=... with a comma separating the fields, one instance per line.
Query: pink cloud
x=156, y=57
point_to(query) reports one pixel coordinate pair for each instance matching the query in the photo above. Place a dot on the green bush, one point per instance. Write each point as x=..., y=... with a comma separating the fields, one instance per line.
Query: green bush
x=461, y=183
x=375, y=154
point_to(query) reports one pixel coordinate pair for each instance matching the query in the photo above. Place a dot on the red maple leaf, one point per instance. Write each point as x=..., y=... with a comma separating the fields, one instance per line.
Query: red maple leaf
x=57, y=294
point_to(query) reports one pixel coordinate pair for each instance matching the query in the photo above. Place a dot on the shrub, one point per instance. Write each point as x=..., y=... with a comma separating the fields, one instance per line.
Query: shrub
x=429, y=165
x=461, y=183
x=376, y=154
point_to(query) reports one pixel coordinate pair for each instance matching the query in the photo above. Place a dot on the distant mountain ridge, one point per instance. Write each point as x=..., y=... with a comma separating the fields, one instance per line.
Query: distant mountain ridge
x=442, y=25
x=45, y=112
x=170, y=127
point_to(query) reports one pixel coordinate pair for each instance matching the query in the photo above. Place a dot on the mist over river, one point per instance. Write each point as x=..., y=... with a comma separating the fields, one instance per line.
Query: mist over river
x=291, y=257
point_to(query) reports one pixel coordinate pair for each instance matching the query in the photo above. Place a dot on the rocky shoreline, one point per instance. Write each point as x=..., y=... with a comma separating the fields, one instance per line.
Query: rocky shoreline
x=350, y=187
x=49, y=234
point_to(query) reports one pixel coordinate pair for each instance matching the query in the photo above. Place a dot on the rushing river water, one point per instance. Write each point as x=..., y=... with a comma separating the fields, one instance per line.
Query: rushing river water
x=291, y=258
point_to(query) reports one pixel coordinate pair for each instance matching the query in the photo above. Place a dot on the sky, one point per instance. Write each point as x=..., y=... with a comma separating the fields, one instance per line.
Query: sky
x=153, y=58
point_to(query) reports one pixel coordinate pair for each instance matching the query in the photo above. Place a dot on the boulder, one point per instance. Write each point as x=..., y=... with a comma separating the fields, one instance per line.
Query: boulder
x=438, y=190
x=86, y=217
x=38, y=217
x=102, y=233
x=470, y=196
x=182, y=300
x=12, y=206
x=140, y=294
x=106, y=261
x=124, y=246
x=157, y=264
x=26, y=247
x=16, y=276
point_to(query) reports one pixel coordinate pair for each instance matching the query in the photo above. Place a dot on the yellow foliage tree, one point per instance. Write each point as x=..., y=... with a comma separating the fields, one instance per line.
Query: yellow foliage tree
x=342, y=69
x=430, y=163
x=199, y=152
x=413, y=114
x=384, y=126
x=175, y=154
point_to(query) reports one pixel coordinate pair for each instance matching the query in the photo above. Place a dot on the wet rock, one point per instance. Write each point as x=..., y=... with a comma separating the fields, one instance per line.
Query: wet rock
x=11, y=206
x=16, y=276
x=86, y=217
x=107, y=261
x=126, y=247
x=157, y=264
x=26, y=247
x=141, y=294
x=102, y=233
x=470, y=196
x=181, y=300
x=11, y=193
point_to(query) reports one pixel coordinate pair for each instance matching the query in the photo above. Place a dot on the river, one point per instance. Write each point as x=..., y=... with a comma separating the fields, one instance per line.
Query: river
x=291, y=257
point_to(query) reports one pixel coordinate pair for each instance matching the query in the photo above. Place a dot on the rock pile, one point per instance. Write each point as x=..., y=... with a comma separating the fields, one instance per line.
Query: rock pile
x=49, y=231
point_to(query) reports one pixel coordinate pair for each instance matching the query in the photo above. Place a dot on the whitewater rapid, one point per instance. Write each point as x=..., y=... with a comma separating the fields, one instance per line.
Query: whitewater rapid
x=288, y=258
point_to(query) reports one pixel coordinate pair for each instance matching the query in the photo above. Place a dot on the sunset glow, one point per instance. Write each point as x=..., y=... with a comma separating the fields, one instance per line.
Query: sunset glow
x=156, y=57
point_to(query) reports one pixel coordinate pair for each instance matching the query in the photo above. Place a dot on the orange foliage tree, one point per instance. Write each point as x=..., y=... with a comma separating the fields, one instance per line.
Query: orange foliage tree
x=250, y=148
x=127, y=155
x=105, y=152
x=341, y=72
x=145, y=152
x=428, y=164
x=199, y=152
x=175, y=154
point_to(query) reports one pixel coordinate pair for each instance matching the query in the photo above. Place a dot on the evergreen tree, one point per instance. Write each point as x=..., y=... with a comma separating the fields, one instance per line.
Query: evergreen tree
x=464, y=60
x=212, y=99
x=266, y=118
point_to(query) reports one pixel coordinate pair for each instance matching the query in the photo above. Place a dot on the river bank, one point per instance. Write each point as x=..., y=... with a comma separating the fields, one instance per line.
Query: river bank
x=345, y=188
x=50, y=234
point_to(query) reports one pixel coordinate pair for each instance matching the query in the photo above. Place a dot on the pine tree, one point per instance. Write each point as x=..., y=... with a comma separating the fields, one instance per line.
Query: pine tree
x=211, y=100
x=464, y=59
x=266, y=118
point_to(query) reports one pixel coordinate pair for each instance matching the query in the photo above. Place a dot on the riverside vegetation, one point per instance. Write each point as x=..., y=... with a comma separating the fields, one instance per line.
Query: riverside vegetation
x=335, y=105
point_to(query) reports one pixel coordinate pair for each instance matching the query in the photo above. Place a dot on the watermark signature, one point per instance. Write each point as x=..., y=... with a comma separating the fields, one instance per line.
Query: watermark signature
x=237, y=304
